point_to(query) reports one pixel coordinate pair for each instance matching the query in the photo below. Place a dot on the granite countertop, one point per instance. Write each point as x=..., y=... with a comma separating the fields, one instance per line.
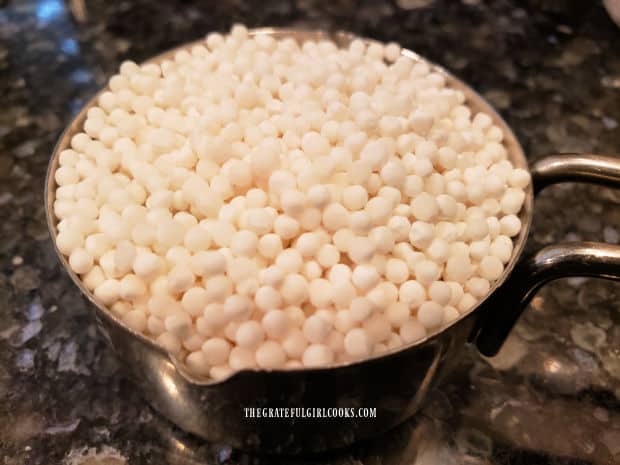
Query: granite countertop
x=551, y=396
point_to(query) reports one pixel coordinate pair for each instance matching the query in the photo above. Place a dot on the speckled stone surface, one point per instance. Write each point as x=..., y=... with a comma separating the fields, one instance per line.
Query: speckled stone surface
x=551, y=396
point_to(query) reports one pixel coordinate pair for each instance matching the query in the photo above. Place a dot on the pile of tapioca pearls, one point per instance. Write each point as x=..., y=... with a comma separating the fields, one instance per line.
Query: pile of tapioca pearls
x=255, y=202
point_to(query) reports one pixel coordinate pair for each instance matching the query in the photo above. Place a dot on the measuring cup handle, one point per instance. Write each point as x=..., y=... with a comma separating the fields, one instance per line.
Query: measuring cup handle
x=595, y=169
x=502, y=310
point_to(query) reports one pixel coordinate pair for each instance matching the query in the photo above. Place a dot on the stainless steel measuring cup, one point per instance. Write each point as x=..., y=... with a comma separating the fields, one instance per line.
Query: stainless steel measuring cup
x=394, y=383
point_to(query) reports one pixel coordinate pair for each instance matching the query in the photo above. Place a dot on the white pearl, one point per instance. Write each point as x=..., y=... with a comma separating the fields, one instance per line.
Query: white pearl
x=317, y=355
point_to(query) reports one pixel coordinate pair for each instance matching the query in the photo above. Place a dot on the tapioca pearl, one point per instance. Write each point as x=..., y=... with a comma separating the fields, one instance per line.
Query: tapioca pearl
x=456, y=292
x=430, y=315
x=491, y=267
x=426, y=271
x=312, y=270
x=241, y=358
x=377, y=327
x=154, y=325
x=393, y=173
x=308, y=244
x=292, y=202
x=383, y=239
x=421, y=234
x=360, y=222
x=510, y=225
x=519, y=178
x=237, y=307
x=244, y=243
x=446, y=231
x=197, y=364
x=276, y=324
x=247, y=287
x=178, y=323
x=93, y=278
x=342, y=293
x=270, y=355
x=108, y=291
x=440, y=292
x=357, y=343
x=359, y=172
x=218, y=288
x=478, y=287
x=458, y=268
x=354, y=197
x=294, y=289
x=494, y=186
x=286, y=227
x=379, y=209
x=258, y=220
x=328, y=256
x=450, y=314
x=314, y=144
x=319, y=196
x=215, y=316
x=379, y=298
x=438, y=250
x=66, y=192
x=459, y=248
x=476, y=228
x=360, y=249
x=132, y=288
x=267, y=298
x=80, y=260
x=457, y=190
x=365, y=277
x=447, y=206
x=335, y=217
x=316, y=329
x=207, y=263
x=512, y=201
x=317, y=355
x=424, y=207
x=413, y=186
x=196, y=239
x=193, y=341
x=216, y=350
x=294, y=343
x=310, y=219
x=339, y=273
x=270, y=246
x=320, y=292
x=69, y=240
x=289, y=260
x=256, y=198
x=411, y=293
x=393, y=194
x=397, y=271
x=400, y=227
x=491, y=206
x=271, y=276
x=398, y=313
x=412, y=331
x=161, y=305
x=446, y=158
x=466, y=303
x=170, y=342
x=501, y=247
x=434, y=184
x=249, y=335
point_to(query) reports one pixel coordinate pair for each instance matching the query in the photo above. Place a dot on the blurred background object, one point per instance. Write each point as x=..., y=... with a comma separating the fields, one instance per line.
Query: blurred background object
x=613, y=7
